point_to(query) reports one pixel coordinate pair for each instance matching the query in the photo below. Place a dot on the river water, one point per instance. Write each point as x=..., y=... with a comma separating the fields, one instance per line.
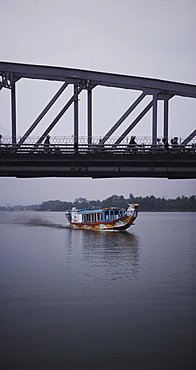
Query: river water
x=77, y=299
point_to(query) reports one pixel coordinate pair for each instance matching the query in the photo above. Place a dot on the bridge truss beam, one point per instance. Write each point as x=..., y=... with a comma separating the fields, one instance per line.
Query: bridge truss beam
x=84, y=80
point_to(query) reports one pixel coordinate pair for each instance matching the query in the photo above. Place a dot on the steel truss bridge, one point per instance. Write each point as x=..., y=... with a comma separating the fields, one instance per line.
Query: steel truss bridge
x=24, y=157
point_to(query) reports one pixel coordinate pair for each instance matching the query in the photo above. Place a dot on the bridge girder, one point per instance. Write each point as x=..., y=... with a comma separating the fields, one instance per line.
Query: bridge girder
x=167, y=165
x=92, y=78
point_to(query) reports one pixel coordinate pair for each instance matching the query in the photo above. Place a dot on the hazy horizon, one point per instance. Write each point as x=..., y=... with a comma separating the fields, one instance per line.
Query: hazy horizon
x=15, y=203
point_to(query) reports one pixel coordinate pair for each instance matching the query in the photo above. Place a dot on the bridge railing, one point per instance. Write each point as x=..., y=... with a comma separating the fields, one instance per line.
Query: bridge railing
x=83, y=140
x=94, y=149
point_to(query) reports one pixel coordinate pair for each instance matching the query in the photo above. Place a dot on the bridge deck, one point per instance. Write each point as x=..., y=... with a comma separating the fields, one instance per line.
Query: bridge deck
x=28, y=161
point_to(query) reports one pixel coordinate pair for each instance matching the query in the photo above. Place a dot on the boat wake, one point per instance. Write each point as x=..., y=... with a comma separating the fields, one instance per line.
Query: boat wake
x=28, y=220
x=38, y=221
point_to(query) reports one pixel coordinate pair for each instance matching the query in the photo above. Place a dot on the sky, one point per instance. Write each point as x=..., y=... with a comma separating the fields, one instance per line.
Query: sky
x=146, y=38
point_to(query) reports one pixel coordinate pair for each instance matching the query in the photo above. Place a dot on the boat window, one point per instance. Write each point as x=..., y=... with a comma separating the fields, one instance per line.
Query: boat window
x=92, y=217
x=98, y=216
x=107, y=215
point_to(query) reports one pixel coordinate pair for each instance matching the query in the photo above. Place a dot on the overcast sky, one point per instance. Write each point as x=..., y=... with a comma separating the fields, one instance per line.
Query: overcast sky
x=147, y=38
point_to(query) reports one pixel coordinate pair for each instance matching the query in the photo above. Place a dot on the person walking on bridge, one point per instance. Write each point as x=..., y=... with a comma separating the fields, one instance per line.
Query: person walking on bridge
x=47, y=144
x=132, y=143
x=166, y=144
x=174, y=142
x=159, y=143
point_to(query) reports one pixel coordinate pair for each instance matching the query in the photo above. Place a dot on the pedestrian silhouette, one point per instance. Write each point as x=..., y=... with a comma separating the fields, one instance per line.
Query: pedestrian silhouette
x=47, y=144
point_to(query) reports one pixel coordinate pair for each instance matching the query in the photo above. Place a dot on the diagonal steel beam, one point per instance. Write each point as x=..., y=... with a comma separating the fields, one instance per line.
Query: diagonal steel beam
x=50, y=127
x=123, y=117
x=134, y=123
x=43, y=113
x=189, y=138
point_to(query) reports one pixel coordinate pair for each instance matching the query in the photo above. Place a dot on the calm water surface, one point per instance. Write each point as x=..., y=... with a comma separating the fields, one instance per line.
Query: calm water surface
x=97, y=300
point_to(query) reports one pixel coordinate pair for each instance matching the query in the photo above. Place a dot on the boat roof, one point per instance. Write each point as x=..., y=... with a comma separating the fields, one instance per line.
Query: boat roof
x=86, y=210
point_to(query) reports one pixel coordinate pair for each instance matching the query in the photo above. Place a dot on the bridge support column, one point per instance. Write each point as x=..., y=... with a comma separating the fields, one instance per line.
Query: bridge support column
x=89, y=117
x=76, y=115
x=154, y=120
x=13, y=103
x=166, y=114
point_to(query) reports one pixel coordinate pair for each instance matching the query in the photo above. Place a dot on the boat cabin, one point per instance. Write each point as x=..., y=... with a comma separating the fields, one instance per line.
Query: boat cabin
x=111, y=214
x=93, y=216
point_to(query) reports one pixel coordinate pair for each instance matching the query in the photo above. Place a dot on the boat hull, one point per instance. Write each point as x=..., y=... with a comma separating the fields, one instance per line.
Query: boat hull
x=119, y=224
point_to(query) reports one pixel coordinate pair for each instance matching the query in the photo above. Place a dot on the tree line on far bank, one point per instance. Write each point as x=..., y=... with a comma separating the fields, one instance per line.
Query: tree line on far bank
x=146, y=204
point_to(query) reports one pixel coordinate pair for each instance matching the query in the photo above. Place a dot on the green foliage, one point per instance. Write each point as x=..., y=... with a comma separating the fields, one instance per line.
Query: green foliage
x=114, y=201
x=180, y=204
x=146, y=204
x=81, y=203
x=55, y=205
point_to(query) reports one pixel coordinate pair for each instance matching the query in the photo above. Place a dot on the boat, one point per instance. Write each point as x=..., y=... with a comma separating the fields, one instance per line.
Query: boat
x=102, y=219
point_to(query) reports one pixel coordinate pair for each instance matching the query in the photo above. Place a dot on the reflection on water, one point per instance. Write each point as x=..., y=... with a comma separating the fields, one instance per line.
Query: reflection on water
x=107, y=247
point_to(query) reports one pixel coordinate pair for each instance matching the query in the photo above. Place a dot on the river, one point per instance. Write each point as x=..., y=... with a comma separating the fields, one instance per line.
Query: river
x=77, y=299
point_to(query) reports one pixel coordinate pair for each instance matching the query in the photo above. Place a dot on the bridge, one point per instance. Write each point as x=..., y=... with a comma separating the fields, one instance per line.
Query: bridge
x=106, y=156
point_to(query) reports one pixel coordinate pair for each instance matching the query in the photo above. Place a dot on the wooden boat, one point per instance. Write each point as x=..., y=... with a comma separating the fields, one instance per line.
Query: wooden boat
x=102, y=219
